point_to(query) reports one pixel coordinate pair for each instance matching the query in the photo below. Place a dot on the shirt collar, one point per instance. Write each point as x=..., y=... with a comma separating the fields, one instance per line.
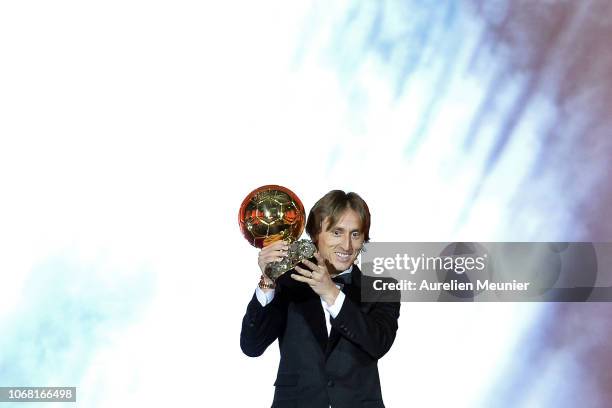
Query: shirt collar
x=349, y=270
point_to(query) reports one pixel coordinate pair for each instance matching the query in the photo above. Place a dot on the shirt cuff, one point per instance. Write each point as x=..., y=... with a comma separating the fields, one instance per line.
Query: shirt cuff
x=264, y=297
x=335, y=308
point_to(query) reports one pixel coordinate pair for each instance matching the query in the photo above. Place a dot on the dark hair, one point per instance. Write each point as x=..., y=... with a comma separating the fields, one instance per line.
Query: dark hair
x=332, y=205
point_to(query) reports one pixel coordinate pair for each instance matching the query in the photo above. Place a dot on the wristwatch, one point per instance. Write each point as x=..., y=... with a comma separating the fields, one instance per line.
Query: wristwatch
x=264, y=285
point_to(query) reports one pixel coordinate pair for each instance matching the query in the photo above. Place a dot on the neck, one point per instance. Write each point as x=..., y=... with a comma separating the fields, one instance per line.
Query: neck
x=334, y=272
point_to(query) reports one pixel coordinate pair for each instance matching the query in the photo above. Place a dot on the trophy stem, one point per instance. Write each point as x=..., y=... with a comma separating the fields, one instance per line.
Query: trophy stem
x=297, y=252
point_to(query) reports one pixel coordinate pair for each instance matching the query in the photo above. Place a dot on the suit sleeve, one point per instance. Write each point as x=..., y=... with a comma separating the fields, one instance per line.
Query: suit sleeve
x=374, y=331
x=261, y=325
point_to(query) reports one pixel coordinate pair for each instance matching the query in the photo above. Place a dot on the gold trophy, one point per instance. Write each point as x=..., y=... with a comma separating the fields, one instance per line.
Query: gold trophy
x=271, y=213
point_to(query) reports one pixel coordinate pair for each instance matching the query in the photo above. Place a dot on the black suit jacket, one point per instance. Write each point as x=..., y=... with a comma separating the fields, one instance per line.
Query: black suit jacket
x=314, y=370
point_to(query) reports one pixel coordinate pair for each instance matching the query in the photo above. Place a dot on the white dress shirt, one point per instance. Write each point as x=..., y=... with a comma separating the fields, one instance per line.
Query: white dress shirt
x=265, y=298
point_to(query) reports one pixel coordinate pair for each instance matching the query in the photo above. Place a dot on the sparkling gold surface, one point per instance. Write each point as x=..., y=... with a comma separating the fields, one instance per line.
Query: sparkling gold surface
x=270, y=213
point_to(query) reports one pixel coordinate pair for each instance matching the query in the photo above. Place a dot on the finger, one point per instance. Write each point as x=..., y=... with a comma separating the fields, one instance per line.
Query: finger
x=303, y=272
x=272, y=255
x=284, y=243
x=279, y=252
x=269, y=259
x=319, y=258
x=303, y=279
x=311, y=264
x=277, y=246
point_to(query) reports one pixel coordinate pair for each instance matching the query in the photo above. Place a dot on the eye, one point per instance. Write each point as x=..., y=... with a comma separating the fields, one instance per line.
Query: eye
x=336, y=233
x=356, y=234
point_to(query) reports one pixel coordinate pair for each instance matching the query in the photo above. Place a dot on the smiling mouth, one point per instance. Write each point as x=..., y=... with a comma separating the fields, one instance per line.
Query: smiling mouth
x=343, y=256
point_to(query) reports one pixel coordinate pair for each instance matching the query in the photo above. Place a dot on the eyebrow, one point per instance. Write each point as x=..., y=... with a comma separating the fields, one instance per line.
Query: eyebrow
x=342, y=229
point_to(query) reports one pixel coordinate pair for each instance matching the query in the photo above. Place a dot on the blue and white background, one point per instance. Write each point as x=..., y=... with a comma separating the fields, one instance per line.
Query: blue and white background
x=130, y=131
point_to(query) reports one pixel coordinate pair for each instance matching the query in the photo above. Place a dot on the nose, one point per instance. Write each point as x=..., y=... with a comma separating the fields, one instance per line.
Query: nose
x=347, y=244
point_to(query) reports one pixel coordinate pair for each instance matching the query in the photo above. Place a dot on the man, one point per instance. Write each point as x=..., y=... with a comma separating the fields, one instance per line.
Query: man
x=329, y=339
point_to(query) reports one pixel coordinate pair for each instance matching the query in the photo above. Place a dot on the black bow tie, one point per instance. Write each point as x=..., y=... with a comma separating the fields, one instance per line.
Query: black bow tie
x=344, y=279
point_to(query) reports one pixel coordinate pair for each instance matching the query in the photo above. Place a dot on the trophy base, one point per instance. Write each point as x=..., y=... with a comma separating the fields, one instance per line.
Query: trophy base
x=298, y=251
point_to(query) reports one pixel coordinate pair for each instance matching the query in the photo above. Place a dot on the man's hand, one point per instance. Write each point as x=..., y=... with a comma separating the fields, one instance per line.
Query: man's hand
x=271, y=253
x=318, y=279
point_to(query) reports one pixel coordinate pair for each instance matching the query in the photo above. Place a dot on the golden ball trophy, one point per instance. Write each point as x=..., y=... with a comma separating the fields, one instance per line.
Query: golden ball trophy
x=271, y=213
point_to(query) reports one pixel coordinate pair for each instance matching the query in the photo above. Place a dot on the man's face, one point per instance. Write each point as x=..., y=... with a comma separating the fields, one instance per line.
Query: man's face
x=341, y=244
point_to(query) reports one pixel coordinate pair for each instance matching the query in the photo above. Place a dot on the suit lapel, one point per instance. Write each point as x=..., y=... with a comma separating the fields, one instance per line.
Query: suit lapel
x=312, y=310
x=352, y=292
x=308, y=304
x=315, y=318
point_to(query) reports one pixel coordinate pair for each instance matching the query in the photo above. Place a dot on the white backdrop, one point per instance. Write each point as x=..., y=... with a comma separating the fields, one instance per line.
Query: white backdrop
x=129, y=134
